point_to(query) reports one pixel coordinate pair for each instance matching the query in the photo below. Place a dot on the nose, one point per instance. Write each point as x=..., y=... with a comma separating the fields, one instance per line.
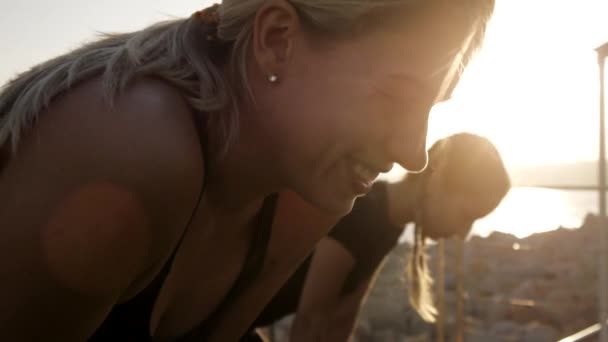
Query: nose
x=407, y=145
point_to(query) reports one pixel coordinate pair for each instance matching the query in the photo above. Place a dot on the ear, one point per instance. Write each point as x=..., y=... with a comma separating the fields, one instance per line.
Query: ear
x=275, y=28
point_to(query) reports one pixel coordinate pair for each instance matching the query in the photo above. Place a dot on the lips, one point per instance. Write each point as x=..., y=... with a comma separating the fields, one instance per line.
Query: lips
x=365, y=173
x=363, y=177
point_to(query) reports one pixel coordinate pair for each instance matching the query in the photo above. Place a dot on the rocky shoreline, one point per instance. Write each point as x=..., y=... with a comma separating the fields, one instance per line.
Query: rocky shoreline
x=539, y=288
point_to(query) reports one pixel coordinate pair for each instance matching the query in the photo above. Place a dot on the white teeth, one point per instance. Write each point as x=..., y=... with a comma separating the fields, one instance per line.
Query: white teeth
x=365, y=172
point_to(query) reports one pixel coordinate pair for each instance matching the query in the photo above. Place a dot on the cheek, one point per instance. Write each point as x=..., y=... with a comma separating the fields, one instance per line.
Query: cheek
x=308, y=128
x=326, y=113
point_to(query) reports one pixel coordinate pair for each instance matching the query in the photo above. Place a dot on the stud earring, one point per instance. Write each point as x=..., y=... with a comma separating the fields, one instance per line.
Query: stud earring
x=273, y=78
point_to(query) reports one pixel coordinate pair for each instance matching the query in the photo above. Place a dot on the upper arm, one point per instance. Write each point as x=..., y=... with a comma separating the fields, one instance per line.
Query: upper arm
x=86, y=207
x=331, y=264
x=346, y=311
x=325, y=312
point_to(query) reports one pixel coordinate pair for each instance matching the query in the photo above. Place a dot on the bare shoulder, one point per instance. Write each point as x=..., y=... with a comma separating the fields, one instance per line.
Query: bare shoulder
x=147, y=140
x=95, y=196
x=150, y=116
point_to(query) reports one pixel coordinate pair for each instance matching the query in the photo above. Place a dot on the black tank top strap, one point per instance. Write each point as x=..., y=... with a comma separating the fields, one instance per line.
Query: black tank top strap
x=251, y=269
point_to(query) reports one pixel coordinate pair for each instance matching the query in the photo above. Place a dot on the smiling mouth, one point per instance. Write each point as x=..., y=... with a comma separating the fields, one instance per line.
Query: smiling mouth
x=365, y=173
x=363, y=177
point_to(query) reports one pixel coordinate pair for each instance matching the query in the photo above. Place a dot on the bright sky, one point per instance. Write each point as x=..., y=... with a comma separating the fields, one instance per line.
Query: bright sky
x=532, y=90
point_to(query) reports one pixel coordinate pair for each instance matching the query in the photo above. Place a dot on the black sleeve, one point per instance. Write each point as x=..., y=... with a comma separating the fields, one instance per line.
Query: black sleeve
x=367, y=234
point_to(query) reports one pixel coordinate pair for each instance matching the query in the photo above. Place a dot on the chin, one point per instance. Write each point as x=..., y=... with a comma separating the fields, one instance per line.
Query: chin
x=329, y=202
x=338, y=207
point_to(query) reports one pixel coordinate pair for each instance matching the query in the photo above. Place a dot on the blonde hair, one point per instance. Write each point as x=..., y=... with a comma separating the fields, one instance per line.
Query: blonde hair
x=472, y=164
x=176, y=52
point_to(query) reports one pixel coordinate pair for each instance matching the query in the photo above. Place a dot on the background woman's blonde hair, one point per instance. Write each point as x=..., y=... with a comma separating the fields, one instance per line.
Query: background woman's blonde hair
x=175, y=52
x=470, y=164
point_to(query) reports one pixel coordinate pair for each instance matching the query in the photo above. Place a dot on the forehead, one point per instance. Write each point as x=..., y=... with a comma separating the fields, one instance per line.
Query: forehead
x=418, y=52
x=427, y=47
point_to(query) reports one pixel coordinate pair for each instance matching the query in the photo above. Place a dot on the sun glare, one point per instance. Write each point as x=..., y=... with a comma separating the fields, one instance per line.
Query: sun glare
x=533, y=91
x=533, y=87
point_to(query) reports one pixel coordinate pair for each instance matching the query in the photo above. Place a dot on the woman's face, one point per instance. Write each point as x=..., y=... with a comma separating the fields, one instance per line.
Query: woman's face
x=446, y=213
x=346, y=109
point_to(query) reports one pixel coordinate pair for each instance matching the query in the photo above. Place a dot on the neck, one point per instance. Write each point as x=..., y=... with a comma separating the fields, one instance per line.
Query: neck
x=245, y=175
x=402, y=202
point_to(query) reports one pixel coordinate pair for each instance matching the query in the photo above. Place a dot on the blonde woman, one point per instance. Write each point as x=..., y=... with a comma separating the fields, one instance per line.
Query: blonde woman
x=140, y=173
x=465, y=181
